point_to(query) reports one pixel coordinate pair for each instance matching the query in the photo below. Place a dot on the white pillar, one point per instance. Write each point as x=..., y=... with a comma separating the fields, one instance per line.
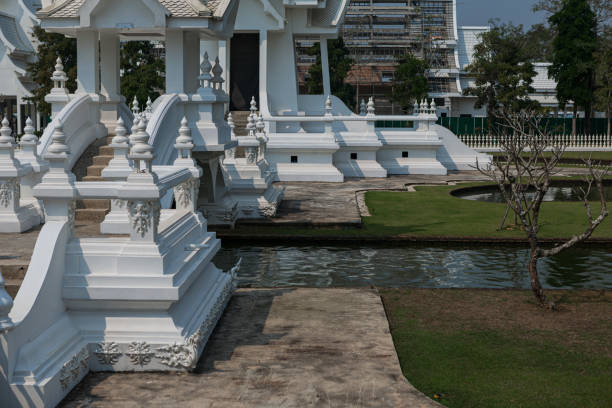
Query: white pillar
x=19, y=127
x=224, y=57
x=109, y=66
x=88, y=62
x=109, y=78
x=174, y=61
x=191, y=62
x=325, y=66
x=182, y=61
x=263, y=70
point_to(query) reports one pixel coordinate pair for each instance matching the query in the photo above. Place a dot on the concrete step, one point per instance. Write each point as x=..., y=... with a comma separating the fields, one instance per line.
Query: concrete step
x=241, y=119
x=12, y=286
x=102, y=160
x=91, y=214
x=105, y=151
x=94, y=178
x=13, y=275
x=95, y=170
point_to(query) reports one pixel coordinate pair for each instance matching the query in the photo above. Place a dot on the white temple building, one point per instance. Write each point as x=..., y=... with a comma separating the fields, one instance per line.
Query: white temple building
x=17, y=49
x=148, y=296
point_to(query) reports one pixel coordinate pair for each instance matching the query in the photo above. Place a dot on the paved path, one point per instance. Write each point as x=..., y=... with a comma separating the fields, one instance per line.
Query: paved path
x=277, y=348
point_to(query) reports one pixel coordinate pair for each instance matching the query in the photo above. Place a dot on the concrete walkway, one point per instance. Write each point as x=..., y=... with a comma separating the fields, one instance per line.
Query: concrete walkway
x=277, y=348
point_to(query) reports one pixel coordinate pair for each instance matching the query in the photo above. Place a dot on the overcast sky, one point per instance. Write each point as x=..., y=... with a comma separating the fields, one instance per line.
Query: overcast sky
x=478, y=12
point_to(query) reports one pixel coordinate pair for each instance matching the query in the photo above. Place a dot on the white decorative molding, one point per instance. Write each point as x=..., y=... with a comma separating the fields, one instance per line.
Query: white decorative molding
x=107, y=353
x=142, y=214
x=140, y=353
x=7, y=189
x=77, y=365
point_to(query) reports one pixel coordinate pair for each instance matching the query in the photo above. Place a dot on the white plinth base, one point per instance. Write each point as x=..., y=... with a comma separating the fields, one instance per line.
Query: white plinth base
x=407, y=166
x=308, y=172
x=361, y=168
x=28, y=216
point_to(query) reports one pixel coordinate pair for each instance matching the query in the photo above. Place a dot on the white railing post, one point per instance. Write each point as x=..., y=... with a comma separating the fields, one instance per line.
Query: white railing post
x=230, y=154
x=371, y=115
x=186, y=193
x=328, y=116
x=251, y=151
x=58, y=97
x=10, y=172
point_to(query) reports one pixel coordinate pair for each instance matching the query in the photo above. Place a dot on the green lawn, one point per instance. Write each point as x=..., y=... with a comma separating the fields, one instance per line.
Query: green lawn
x=432, y=211
x=488, y=348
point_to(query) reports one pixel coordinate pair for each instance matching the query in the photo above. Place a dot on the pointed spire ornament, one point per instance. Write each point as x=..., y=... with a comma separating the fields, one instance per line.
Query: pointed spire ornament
x=141, y=150
x=253, y=107
x=231, y=124
x=328, y=106
x=370, y=108
x=135, y=106
x=6, y=134
x=251, y=124
x=120, y=133
x=59, y=77
x=149, y=107
x=205, y=68
x=217, y=71
x=415, y=107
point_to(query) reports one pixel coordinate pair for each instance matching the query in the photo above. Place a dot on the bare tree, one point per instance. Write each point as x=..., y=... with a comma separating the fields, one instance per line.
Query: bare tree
x=524, y=172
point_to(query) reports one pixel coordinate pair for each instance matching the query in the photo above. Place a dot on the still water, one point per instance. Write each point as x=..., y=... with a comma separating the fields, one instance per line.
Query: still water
x=419, y=266
x=492, y=194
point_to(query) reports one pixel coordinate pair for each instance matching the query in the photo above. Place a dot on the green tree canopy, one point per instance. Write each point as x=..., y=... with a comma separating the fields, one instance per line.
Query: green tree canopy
x=340, y=64
x=142, y=71
x=409, y=82
x=51, y=46
x=538, y=43
x=573, y=54
x=603, y=75
x=502, y=70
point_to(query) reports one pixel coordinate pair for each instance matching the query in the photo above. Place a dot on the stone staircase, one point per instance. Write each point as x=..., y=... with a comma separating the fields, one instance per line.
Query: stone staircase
x=89, y=168
x=240, y=121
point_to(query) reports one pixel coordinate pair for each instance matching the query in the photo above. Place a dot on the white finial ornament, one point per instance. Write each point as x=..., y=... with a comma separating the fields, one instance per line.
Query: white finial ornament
x=217, y=71
x=433, y=106
x=370, y=108
x=328, y=106
x=120, y=133
x=59, y=77
x=6, y=134
x=141, y=150
x=253, y=107
x=251, y=124
x=415, y=107
x=205, y=68
x=260, y=125
x=149, y=106
x=184, y=144
x=423, y=108
x=58, y=142
x=135, y=106
x=362, y=107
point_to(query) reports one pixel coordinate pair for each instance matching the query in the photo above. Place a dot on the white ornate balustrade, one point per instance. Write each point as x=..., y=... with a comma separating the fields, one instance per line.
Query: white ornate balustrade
x=144, y=301
x=571, y=143
x=20, y=171
x=340, y=144
x=249, y=178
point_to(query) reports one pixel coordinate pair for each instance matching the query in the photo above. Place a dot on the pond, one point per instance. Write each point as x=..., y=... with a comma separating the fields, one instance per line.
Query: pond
x=555, y=193
x=440, y=266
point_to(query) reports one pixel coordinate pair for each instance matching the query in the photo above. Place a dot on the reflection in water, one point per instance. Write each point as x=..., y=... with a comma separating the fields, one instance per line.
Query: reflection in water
x=492, y=194
x=442, y=266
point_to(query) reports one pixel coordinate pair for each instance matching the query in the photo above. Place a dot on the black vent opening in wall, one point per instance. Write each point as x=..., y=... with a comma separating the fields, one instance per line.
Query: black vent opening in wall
x=353, y=156
x=404, y=154
x=293, y=159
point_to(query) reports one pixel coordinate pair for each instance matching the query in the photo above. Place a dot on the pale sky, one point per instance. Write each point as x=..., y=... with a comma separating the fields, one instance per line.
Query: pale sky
x=478, y=12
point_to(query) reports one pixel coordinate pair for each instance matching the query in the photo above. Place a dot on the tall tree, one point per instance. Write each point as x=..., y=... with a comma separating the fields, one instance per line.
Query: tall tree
x=603, y=75
x=573, y=56
x=601, y=8
x=340, y=64
x=409, y=82
x=502, y=70
x=51, y=46
x=143, y=71
x=538, y=43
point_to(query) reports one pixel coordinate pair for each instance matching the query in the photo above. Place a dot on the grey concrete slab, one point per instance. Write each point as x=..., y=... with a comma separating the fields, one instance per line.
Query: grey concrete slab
x=277, y=348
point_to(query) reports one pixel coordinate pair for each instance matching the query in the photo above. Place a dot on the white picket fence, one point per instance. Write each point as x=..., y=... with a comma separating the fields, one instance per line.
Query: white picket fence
x=596, y=142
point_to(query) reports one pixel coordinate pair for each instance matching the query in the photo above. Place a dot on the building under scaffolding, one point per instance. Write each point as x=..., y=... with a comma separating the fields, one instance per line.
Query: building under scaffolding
x=379, y=32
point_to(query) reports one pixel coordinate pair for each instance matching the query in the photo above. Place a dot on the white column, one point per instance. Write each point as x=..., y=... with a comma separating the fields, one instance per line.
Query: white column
x=88, y=62
x=263, y=70
x=191, y=61
x=19, y=127
x=109, y=79
x=325, y=66
x=109, y=66
x=174, y=61
x=224, y=57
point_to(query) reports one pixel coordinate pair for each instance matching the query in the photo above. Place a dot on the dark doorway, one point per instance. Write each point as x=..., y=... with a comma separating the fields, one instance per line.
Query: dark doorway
x=244, y=70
